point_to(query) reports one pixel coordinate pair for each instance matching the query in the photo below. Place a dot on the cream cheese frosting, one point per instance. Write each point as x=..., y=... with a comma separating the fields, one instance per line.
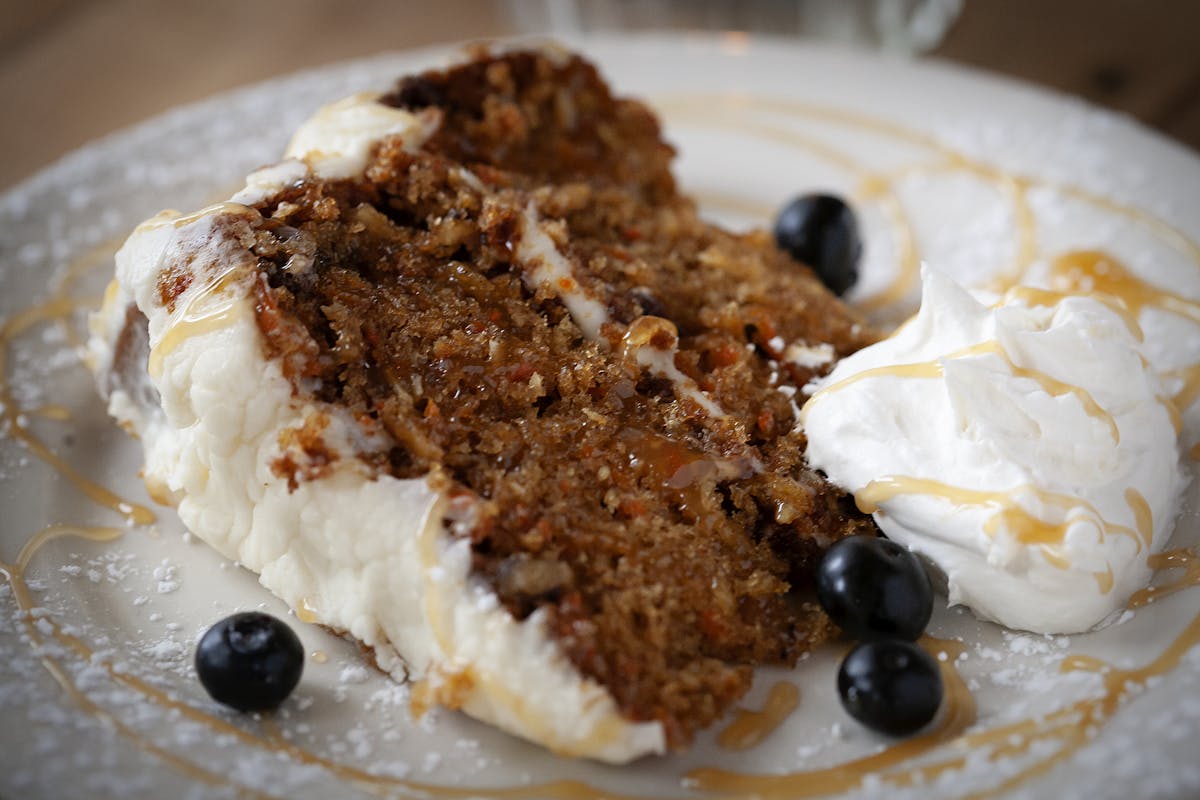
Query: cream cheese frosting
x=337, y=141
x=364, y=553
x=1025, y=450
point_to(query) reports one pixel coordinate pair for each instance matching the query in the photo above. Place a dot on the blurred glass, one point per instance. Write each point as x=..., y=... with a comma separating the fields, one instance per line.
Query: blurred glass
x=905, y=26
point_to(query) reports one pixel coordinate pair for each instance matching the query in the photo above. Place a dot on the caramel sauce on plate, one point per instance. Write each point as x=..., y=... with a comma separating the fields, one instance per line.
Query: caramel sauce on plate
x=59, y=308
x=15, y=575
x=749, y=728
x=956, y=714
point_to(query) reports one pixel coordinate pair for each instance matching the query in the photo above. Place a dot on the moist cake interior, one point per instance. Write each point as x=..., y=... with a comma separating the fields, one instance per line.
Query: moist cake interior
x=668, y=533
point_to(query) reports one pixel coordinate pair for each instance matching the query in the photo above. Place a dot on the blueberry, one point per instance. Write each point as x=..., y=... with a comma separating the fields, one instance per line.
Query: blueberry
x=893, y=687
x=821, y=231
x=250, y=661
x=874, y=588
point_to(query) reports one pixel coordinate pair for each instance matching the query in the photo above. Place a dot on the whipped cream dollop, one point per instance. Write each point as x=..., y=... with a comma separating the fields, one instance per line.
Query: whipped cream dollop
x=1025, y=447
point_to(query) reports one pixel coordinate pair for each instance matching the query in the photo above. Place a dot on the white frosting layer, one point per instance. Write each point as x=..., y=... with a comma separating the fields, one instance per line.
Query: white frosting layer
x=337, y=141
x=357, y=552
x=1012, y=466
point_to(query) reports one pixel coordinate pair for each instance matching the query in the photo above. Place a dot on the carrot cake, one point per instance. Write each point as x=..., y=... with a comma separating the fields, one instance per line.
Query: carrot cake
x=466, y=377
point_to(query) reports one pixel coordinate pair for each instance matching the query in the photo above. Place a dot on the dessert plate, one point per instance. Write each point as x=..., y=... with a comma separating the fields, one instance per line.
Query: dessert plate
x=986, y=179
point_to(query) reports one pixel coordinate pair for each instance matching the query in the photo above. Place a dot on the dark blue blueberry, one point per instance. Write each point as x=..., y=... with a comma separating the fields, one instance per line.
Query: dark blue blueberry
x=250, y=661
x=892, y=687
x=821, y=231
x=874, y=588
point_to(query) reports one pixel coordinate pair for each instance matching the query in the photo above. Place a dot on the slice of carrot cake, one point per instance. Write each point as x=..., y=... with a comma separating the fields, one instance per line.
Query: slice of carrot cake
x=467, y=378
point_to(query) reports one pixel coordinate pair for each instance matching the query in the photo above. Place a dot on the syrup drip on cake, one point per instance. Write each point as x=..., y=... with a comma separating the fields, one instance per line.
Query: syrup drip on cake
x=209, y=309
x=1072, y=727
x=177, y=220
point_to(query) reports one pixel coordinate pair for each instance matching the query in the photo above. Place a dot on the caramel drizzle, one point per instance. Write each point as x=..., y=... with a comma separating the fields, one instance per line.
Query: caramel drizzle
x=15, y=575
x=51, y=411
x=1010, y=515
x=176, y=220
x=1173, y=413
x=1104, y=278
x=57, y=309
x=908, y=258
x=1078, y=723
x=208, y=309
x=1184, y=558
x=749, y=728
x=1093, y=271
x=935, y=369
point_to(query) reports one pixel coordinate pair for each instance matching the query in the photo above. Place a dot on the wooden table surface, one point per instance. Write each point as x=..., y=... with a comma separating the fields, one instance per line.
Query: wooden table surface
x=72, y=70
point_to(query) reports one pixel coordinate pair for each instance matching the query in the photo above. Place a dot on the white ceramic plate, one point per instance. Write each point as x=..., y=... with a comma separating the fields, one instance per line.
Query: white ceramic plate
x=756, y=121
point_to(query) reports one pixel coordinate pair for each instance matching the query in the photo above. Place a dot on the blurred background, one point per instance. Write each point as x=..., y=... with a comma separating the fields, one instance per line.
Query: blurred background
x=73, y=70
